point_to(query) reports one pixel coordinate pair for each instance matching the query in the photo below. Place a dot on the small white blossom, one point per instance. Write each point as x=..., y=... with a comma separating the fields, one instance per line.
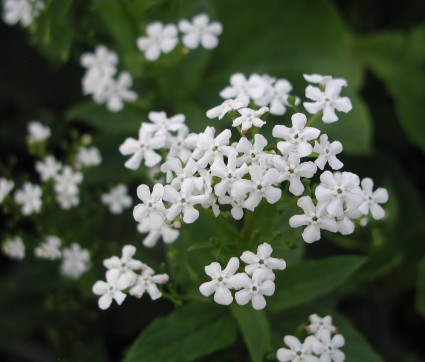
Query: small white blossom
x=237, y=204
x=5, y=187
x=181, y=145
x=117, y=199
x=146, y=282
x=50, y=249
x=176, y=174
x=162, y=126
x=276, y=97
x=21, y=11
x=227, y=106
x=253, y=153
x=38, y=132
x=152, y=207
x=254, y=87
x=221, y=281
x=125, y=265
x=297, y=351
x=200, y=31
x=102, y=59
x=166, y=232
x=328, y=348
x=317, y=324
x=48, y=168
x=75, y=261
x=296, y=137
x=111, y=289
x=67, y=199
x=249, y=118
x=14, y=248
x=328, y=100
x=229, y=174
x=315, y=218
x=29, y=197
x=371, y=199
x=254, y=289
x=322, y=80
x=327, y=152
x=89, y=156
x=159, y=39
x=67, y=181
x=262, y=260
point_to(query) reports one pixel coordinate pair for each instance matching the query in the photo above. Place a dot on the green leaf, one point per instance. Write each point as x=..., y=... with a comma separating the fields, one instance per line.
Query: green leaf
x=420, y=291
x=398, y=59
x=186, y=334
x=255, y=330
x=310, y=279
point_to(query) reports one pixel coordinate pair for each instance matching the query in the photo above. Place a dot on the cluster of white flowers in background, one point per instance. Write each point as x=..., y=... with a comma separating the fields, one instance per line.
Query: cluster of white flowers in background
x=21, y=11
x=117, y=199
x=75, y=260
x=99, y=79
x=162, y=38
x=318, y=346
x=251, y=285
x=127, y=274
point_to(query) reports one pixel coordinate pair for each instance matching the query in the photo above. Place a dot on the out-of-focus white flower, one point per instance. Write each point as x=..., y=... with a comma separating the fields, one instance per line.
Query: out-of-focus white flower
x=254, y=87
x=5, y=187
x=159, y=39
x=117, y=199
x=111, y=289
x=262, y=260
x=249, y=118
x=146, y=282
x=23, y=11
x=327, y=152
x=75, y=261
x=29, y=197
x=48, y=168
x=328, y=100
x=14, y=248
x=322, y=80
x=317, y=324
x=67, y=199
x=67, y=181
x=276, y=97
x=126, y=265
x=102, y=59
x=227, y=106
x=371, y=199
x=200, y=31
x=38, y=132
x=89, y=156
x=315, y=218
x=50, y=249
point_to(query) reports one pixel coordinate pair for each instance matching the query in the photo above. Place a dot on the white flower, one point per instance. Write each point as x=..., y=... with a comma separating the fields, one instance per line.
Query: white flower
x=315, y=218
x=117, y=199
x=338, y=190
x=95, y=81
x=23, y=11
x=14, y=248
x=181, y=146
x=253, y=153
x=159, y=39
x=254, y=87
x=146, y=282
x=318, y=324
x=166, y=232
x=111, y=289
x=297, y=352
x=262, y=260
x=237, y=204
x=221, y=281
x=174, y=166
x=277, y=97
x=5, y=187
x=249, y=118
x=125, y=265
x=48, y=168
x=328, y=101
x=30, y=198
x=292, y=170
x=227, y=106
x=255, y=289
x=102, y=59
x=327, y=152
x=372, y=199
x=161, y=126
x=67, y=199
x=328, y=348
x=296, y=137
x=50, y=249
x=345, y=224
x=322, y=80
x=229, y=174
x=38, y=132
x=75, y=261
x=142, y=149
x=89, y=156
x=183, y=201
x=200, y=32
x=152, y=207
x=67, y=182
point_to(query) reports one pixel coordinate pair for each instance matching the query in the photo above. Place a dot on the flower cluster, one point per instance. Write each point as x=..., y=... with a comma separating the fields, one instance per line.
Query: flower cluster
x=75, y=260
x=99, y=79
x=21, y=11
x=126, y=273
x=162, y=38
x=251, y=285
x=318, y=346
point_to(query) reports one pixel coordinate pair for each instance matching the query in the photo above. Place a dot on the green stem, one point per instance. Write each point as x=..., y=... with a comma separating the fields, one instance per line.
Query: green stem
x=250, y=221
x=312, y=119
x=222, y=224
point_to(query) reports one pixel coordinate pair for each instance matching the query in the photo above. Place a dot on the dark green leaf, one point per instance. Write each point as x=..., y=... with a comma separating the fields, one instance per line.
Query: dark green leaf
x=420, y=294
